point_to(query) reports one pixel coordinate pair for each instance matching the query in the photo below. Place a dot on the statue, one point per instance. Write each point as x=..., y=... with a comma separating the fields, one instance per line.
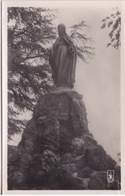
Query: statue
x=63, y=59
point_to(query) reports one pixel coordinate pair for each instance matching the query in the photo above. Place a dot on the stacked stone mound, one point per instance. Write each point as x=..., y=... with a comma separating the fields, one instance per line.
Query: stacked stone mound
x=57, y=151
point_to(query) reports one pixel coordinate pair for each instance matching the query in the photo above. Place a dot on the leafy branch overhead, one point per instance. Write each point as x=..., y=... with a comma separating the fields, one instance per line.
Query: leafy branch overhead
x=113, y=22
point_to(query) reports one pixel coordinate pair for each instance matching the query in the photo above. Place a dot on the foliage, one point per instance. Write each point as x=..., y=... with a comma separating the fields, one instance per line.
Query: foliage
x=113, y=22
x=119, y=156
x=84, y=47
x=30, y=30
x=31, y=33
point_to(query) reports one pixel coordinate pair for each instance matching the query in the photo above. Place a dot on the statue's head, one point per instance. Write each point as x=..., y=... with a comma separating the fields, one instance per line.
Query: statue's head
x=61, y=30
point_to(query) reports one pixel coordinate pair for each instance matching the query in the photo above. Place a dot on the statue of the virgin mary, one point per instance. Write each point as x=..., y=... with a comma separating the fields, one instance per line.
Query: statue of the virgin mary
x=63, y=59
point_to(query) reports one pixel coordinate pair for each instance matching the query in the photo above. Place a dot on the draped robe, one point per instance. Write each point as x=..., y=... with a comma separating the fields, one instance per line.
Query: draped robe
x=63, y=62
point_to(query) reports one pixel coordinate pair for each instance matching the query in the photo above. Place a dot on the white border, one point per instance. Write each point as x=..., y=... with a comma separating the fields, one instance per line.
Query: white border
x=54, y=4
x=123, y=98
x=1, y=99
x=4, y=97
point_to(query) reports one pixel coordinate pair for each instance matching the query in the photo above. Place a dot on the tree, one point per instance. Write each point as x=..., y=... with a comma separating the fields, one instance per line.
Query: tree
x=114, y=23
x=84, y=47
x=31, y=32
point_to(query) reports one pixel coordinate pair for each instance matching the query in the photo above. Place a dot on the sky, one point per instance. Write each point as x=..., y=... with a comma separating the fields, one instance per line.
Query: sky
x=99, y=80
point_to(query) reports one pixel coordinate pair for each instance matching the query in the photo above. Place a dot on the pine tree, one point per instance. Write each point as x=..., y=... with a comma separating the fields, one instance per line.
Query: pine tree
x=30, y=34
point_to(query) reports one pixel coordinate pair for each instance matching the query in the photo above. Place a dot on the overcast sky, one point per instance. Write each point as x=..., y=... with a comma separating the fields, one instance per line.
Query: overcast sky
x=98, y=81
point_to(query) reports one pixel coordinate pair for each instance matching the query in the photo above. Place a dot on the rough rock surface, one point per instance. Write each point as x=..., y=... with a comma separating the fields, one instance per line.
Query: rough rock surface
x=57, y=151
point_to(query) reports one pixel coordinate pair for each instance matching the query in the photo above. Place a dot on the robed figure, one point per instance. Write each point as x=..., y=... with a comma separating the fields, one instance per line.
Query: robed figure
x=63, y=59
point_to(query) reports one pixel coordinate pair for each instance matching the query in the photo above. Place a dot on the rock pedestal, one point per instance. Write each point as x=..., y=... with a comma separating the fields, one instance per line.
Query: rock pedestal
x=57, y=151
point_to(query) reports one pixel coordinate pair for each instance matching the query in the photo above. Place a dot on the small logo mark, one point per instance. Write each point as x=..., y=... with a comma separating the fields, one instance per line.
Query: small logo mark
x=110, y=175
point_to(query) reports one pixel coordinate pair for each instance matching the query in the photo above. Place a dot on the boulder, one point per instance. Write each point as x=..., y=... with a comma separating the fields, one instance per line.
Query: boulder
x=57, y=150
x=98, y=181
x=97, y=159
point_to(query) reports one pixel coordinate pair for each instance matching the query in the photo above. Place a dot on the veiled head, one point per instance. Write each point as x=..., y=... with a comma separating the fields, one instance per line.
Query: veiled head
x=61, y=30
